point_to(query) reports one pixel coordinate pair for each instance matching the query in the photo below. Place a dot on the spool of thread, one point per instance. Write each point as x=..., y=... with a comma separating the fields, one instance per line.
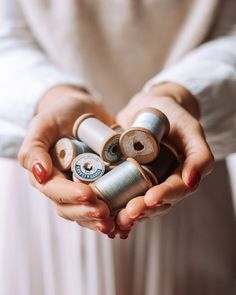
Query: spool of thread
x=142, y=140
x=99, y=137
x=162, y=167
x=117, y=128
x=87, y=167
x=65, y=150
x=124, y=182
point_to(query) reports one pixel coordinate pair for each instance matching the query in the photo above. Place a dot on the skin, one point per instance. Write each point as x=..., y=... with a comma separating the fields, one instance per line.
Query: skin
x=56, y=113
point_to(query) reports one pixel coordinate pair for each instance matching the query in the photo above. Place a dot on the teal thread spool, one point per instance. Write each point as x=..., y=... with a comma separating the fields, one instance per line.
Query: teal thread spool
x=142, y=140
x=87, y=167
x=99, y=137
x=162, y=167
x=65, y=150
x=124, y=182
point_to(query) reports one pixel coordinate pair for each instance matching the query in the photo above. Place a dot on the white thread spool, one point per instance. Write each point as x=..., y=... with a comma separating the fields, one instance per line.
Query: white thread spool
x=162, y=167
x=124, y=182
x=142, y=140
x=99, y=137
x=87, y=167
x=65, y=150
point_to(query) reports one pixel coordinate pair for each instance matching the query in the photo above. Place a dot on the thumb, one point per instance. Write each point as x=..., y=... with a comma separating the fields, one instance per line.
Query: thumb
x=33, y=154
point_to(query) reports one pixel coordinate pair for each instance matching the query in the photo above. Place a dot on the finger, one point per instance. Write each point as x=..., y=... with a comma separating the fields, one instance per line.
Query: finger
x=159, y=210
x=123, y=220
x=33, y=155
x=135, y=208
x=61, y=190
x=97, y=211
x=171, y=191
x=198, y=157
x=105, y=227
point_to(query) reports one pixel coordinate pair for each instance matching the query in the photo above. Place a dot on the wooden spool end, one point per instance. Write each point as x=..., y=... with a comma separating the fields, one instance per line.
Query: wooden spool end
x=139, y=144
x=63, y=154
x=110, y=150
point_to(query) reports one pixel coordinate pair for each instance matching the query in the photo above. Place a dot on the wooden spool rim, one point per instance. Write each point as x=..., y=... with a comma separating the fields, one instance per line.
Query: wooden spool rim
x=57, y=157
x=115, y=125
x=169, y=146
x=157, y=113
x=79, y=121
x=100, y=196
x=151, y=175
x=105, y=142
x=143, y=173
x=155, y=143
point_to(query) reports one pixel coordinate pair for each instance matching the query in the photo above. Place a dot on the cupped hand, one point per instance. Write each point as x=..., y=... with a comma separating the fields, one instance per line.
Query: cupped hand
x=56, y=114
x=186, y=134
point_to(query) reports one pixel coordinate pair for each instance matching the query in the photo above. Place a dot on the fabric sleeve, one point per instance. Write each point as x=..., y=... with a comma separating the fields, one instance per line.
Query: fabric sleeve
x=209, y=73
x=26, y=74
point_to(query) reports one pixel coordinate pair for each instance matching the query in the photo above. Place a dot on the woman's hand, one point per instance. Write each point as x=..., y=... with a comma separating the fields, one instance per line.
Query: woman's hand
x=186, y=134
x=56, y=114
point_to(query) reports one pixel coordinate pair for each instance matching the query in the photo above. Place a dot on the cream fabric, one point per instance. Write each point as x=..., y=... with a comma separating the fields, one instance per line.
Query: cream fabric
x=114, y=47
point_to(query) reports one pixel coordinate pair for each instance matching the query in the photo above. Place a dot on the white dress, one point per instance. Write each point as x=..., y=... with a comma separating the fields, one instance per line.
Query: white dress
x=189, y=251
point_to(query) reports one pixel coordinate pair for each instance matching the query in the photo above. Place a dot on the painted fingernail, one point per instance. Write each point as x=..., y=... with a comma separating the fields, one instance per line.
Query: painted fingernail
x=111, y=236
x=39, y=172
x=124, y=237
x=194, y=180
x=96, y=215
x=156, y=205
x=101, y=229
x=82, y=199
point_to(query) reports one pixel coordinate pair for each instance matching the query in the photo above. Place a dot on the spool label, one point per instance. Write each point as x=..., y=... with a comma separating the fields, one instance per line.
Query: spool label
x=88, y=167
x=87, y=174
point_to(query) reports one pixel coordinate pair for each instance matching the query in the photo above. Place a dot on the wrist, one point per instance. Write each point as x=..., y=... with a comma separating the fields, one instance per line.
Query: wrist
x=180, y=94
x=61, y=92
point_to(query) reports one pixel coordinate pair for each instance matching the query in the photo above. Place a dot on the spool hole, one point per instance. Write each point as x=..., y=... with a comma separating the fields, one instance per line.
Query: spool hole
x=115, y=149
x=88, y=166
x=138, y=146
x=62, y=154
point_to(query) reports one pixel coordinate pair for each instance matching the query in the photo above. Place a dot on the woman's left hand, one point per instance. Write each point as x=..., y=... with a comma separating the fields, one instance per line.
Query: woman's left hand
x=186, y=134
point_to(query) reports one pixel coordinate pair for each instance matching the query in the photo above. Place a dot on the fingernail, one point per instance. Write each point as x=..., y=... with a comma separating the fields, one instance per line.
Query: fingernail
x=156, y=205
x=39, y=172
x=111, y=236
x=82, y=199
x=101, y=230
x=95, y=215
x=124, y=237
x=194, y=180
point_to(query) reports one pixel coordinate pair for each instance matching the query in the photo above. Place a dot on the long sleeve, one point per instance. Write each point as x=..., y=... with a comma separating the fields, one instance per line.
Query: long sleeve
x=26, y=74
x=209, y=73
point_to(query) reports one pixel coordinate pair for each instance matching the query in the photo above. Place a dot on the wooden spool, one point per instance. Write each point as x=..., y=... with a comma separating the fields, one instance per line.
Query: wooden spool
x=142, y=140
x=162, y=167
x=99, y=137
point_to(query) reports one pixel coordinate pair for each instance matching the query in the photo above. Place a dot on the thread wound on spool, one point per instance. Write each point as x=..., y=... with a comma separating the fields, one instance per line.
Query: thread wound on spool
x=124, y=182
x=99, y=137
x=87, y=167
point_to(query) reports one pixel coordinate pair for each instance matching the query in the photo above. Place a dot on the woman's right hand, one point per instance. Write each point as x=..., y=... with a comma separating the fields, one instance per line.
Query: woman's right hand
x=56, y=114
